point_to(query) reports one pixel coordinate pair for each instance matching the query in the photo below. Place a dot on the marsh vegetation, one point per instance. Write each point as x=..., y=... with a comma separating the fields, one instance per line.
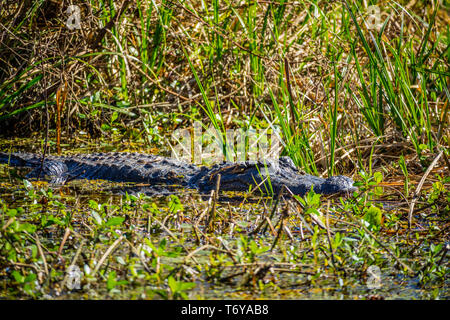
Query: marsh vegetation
x=358, y=88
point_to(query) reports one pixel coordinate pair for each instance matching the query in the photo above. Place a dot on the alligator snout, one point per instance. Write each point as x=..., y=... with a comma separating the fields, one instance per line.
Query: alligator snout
x=336, y=184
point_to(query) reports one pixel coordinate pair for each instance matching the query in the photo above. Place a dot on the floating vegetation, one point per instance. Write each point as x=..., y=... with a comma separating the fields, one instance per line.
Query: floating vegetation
x=344, y=88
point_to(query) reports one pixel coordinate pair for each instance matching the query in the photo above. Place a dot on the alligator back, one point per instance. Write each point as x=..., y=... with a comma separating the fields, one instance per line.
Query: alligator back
x=130, y=167
x=267, y=176
x=118, y=167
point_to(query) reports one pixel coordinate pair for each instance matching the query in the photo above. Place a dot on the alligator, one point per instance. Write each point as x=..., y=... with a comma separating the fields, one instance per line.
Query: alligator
x=269, y=176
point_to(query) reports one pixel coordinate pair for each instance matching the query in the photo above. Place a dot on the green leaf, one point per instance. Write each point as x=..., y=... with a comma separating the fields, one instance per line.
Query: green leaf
x=11, y=212
x=378, y=176
x=187, y=285
x=173, y=284
x=18, y=276
x=177, y=287
x=31, y=277
x=111, y=281
x=373, y=217
x=114, y=116
x=175, y=204
x=30, y=228
x=93, y=204
x=114, y=221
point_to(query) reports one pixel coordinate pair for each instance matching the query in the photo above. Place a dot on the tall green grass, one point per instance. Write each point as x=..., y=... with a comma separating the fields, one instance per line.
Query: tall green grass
x=396, y=82
x=266, y=59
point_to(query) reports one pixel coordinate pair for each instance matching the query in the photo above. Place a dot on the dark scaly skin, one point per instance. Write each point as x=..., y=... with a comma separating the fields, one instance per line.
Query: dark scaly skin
x=272, y=176
x=155, y=170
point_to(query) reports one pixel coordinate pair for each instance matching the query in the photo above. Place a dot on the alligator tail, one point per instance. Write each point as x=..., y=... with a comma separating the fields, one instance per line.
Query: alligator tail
x=53, y=170
x=19, y=159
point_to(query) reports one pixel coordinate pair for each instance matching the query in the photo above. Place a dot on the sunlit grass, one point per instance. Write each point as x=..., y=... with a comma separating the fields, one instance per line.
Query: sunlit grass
x=370, y=102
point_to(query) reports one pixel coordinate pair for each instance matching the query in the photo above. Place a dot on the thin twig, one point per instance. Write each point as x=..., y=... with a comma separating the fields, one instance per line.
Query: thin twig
x=212, y=214
x=61, y=246
x=327, y=224
x=41, y=253
x=106, y=254
x=419, y=188
x=284, y=215
x=138, y=254
x=275, y=205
